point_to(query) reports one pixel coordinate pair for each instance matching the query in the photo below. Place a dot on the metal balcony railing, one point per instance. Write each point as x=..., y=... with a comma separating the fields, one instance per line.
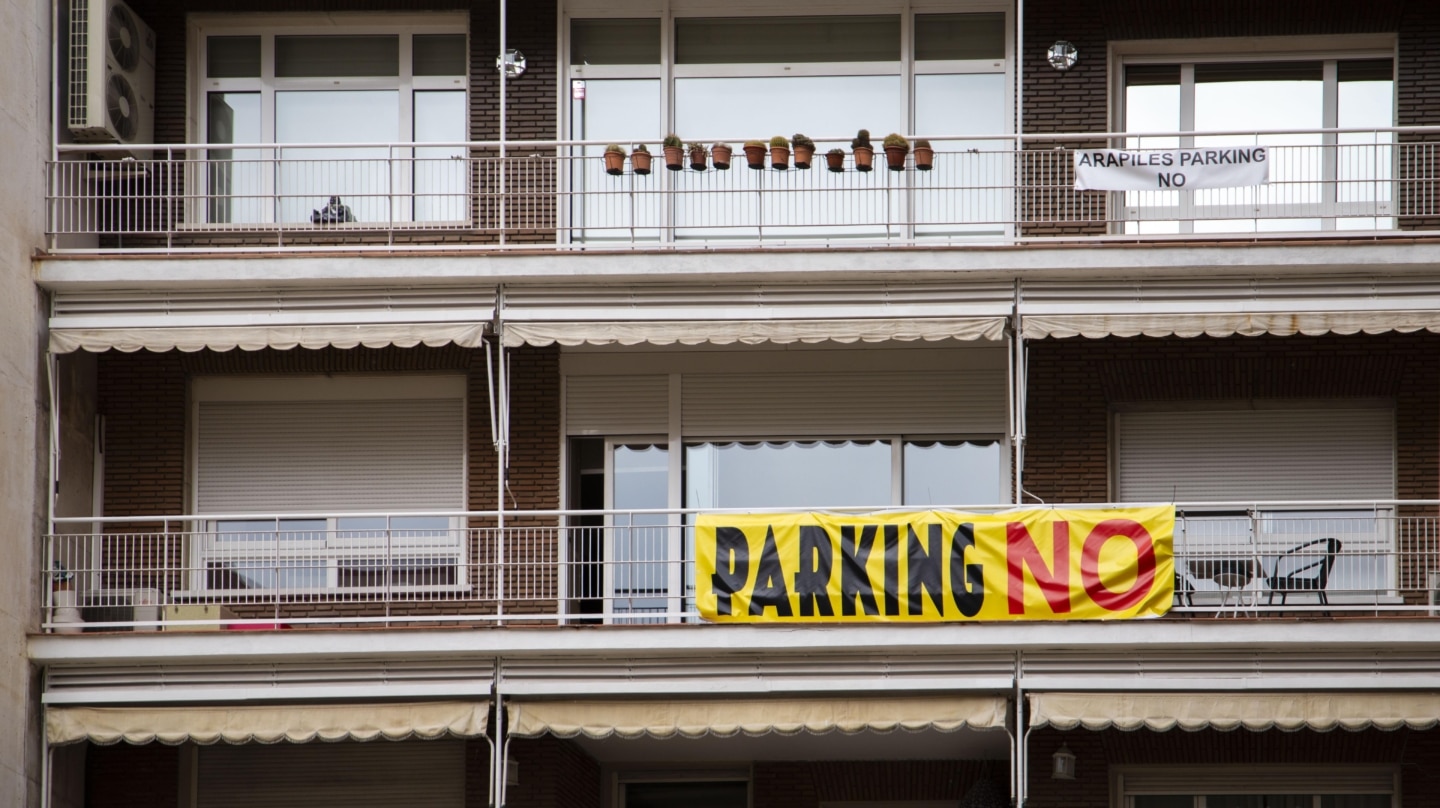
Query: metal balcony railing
x=559, y=194
x=184, y=573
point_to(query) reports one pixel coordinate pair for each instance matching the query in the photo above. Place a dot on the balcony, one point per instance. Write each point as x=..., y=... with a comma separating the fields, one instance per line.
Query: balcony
x=190, y=573
x=558, y=195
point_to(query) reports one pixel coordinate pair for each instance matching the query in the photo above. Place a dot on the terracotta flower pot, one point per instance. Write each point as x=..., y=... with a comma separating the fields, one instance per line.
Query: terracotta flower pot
x=698, y=159
x=804, y=155
x=895, y=157
x=674, y=158
x=864, y=158
x=755, y=156
x=779, y=158
x=924, y=158
x=614, y=163
x=835, y=162
x=720, y=156
x=640, y=161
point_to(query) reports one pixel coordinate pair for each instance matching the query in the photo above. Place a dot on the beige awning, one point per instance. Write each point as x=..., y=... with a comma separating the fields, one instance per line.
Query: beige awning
x=266, y=724
x=258, y=337
x=727, y=717
x=1225, y=324
x=1227, y=711
x=753, y=332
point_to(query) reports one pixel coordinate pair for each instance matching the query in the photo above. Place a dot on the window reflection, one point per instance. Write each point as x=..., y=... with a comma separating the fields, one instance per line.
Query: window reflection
x=362, y=177
x=640, y=542
x=787, y=475
x=949, y=473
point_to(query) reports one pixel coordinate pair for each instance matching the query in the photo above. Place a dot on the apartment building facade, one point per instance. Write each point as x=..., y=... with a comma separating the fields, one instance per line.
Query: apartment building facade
x=395, y=398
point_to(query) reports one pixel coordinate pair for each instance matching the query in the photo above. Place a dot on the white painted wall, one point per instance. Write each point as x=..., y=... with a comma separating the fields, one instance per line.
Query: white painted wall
x=24, y=117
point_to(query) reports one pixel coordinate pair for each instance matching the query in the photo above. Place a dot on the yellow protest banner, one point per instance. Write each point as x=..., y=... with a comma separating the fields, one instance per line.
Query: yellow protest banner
x=933, y=566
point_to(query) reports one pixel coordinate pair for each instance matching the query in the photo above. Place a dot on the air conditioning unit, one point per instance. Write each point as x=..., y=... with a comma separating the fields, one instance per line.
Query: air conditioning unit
x=112, y=75
x=122, y=606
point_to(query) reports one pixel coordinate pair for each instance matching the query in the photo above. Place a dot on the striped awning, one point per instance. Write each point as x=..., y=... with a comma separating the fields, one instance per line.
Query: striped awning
x=728, y=717
x=1228, y=711
x=266, y=724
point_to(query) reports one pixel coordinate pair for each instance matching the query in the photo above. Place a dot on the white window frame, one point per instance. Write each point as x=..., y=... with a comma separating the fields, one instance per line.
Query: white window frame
x=405, y=25
x=1187, y=53
x=1196, y=781
x=906, y=67
x=333, y=549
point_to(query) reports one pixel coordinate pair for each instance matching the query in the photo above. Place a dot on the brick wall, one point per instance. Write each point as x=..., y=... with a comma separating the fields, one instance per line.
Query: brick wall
x=553, y=773
x=125, y=776
x=143, y=399
x=806, y=784
x=1096, y=752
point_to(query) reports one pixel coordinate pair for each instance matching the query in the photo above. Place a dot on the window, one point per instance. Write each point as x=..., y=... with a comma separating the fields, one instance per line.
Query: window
x=1254, y=787
x=1257, y=458
x=697, y=790
x=1318, y=180
x=353, y=447
x=375, y=82
x=707, y=77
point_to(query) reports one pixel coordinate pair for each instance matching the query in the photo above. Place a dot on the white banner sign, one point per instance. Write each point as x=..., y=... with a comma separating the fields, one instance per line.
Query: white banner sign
x=1173, y=169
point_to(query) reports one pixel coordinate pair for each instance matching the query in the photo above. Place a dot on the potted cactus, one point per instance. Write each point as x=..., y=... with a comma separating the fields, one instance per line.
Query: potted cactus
x=896, y=148
x=640, y=159
x=720, y=155
x=864, y=152
x=614, y=160
x=755, y=154
x=924, y=155
x=699, y=156
x=804, y=150
x=674, y=152
x=779, y=153
x=835, y=160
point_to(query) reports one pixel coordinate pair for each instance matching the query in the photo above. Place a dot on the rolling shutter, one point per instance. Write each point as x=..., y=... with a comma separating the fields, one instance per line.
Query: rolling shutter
x=1255, y=455
x=828, y=404
x=379, y=774
x=335, y=456
x=617, y=405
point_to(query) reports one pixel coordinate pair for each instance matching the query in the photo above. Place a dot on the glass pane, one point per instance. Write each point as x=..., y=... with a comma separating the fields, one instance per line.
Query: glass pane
x=725, y=204
x=624, y=207
x=439, y=55
x=792, y=474
x=253, y=530
x=945, y=473
x=360, y=177
x=1355, y=801
x=1365, y=160
x=960, y=36
x=640, y=554
x=235, y=177
x=442, y=174
x=1152, y=104
x=969, y=189
x=1163, y=801
x=686, y=795
x=615, y=42
x=309, y=56
x=1259, y=801
x=741, y=40
x=266, y=575
x=1278, y=95
x=232, y=57
x=398, y=572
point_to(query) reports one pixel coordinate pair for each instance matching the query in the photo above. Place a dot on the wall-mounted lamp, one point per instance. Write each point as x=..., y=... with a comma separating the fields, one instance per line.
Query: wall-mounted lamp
x=1063, y=761
x=512, y=63
x=1062, y=55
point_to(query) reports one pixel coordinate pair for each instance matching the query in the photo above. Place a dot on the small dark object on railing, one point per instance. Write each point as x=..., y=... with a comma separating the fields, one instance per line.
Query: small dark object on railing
x=334, y=213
